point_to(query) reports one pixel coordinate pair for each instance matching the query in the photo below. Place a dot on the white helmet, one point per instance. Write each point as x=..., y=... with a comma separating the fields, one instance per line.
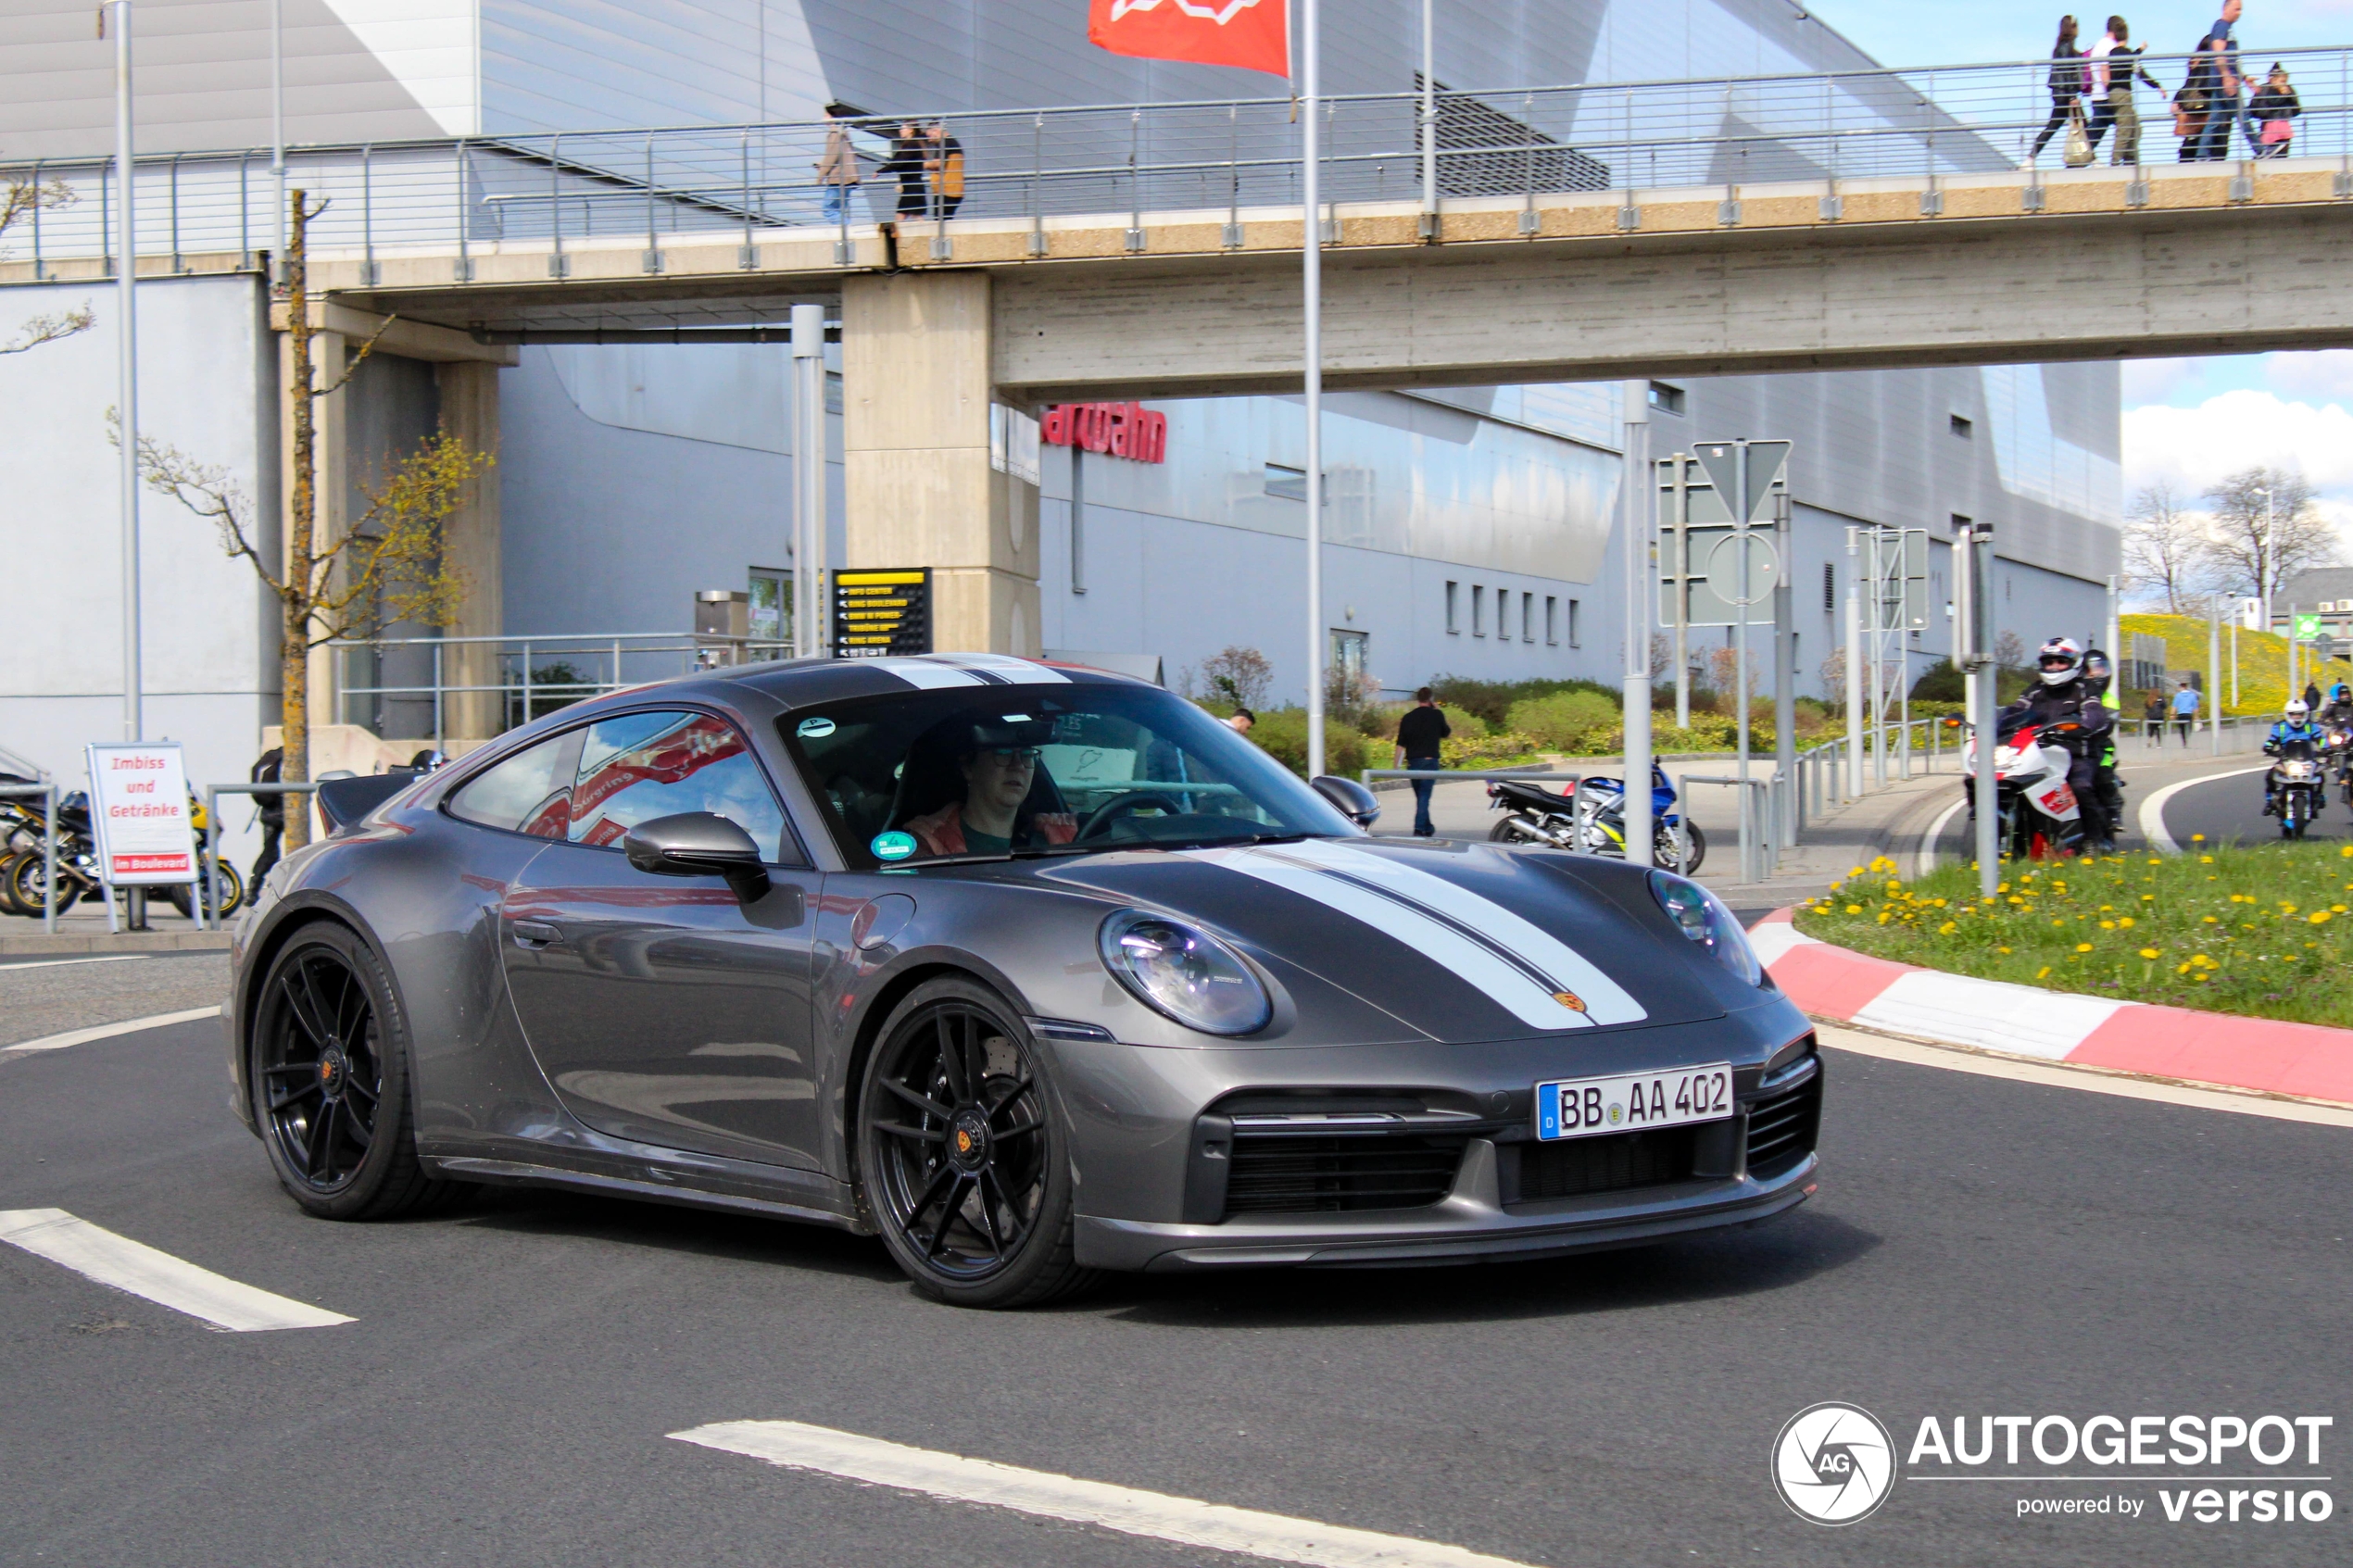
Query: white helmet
x=2060, y=661
x=2296, y=711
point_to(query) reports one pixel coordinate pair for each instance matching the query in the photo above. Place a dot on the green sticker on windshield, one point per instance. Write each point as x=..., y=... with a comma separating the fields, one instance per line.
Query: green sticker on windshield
x=892, y=846
x=814, y=729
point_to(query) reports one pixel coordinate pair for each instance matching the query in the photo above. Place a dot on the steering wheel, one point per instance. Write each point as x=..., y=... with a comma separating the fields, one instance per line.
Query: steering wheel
x=1103, y=815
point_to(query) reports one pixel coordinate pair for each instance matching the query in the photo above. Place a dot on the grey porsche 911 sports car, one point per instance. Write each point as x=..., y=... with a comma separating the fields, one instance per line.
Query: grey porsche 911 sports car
x=1032, y=971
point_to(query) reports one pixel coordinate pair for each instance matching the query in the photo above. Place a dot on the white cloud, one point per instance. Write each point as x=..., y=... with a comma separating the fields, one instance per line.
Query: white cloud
x=2194, y=447
x=2324, y=376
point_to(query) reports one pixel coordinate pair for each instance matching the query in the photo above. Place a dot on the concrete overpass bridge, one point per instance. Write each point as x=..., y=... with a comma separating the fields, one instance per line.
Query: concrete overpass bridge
x=1858, y=221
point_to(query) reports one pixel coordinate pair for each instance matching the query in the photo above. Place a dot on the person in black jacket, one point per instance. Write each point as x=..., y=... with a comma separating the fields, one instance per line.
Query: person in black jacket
x=273, y=810
x=1417, y=736
x=2275, y=111
x=2066, y=83
x=907, y=151
x=2067, y=694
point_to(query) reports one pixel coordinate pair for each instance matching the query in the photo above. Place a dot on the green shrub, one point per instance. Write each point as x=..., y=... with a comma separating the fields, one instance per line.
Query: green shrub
x=1562, y=720
x=1282, y=731
x=1487, y=751
x=1492, y=700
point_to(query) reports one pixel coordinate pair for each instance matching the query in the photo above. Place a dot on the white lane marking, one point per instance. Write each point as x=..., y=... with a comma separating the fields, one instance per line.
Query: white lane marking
x=925, y=674
x=108, y=1031
x=2152, y=808
x=1604, y=1000
x=1993, y=1014
x=1924, y=860
x=51, y=964
x=159, y=1278
x=2075, y=1075
x=1508, y=987
x=1186, y=1521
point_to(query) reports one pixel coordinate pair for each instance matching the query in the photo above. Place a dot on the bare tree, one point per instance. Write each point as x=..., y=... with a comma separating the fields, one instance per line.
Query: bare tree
x=2265, y=530
x=385, y=565
x=2165, y=547
x=1239, y=675
x=22, y=198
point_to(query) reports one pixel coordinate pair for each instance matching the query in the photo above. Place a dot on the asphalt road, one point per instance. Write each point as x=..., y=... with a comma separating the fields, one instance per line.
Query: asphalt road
x=2230, y=810
x=504, y=1395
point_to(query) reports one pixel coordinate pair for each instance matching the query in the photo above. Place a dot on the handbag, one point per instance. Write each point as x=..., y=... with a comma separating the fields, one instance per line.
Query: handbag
x=2277, y=131
x=2078, y=142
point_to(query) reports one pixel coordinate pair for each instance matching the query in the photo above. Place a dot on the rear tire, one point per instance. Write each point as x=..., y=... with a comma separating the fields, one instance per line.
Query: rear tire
x=964, y=1159
x=328, y=1070
x=8, y=904
x=1511, y=830
x=27, y=886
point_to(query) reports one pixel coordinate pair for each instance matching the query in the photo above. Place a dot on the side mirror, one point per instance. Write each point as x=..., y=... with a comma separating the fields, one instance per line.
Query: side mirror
x=1348, y=797
x=698, y=843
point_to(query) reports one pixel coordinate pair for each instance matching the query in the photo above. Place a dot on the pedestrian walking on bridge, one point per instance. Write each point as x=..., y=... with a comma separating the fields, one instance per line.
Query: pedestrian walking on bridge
x=2067, y=86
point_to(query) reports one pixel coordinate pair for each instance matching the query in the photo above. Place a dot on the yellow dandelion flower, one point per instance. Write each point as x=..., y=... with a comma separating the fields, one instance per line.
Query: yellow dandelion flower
x=2148, y=952
x=1854, y=909
x=2001, y=949
x=2042, y=972
x=2206, y=860
x=1883, y=916
x=2108, y=925
x=2198, y=838
x=1946, y=929
x=2082, y=947
x=2319, y=917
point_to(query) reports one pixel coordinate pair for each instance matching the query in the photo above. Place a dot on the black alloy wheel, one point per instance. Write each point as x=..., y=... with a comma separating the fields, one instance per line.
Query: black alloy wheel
x=328, y=1079
x=965, y=1167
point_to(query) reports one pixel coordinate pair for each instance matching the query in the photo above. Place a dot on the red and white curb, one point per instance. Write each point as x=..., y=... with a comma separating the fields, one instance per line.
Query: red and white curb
x=2264, y=1055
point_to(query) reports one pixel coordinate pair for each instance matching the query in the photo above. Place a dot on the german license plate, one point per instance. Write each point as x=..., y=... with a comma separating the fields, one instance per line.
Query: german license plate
x=1633, y=1102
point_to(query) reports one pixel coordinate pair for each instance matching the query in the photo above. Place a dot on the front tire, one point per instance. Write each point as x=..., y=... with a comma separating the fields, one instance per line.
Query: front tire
x=28, y=887
x=964, y=1159
x=328, y=1071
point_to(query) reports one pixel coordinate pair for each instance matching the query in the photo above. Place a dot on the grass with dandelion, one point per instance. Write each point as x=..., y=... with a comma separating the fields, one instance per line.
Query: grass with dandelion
x=2264, y=932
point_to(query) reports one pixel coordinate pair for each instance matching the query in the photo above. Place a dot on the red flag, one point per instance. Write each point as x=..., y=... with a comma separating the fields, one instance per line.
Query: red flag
x=1250, y=34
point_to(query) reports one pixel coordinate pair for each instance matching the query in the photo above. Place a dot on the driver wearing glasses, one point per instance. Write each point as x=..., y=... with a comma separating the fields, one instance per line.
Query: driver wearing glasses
x=1002, y=806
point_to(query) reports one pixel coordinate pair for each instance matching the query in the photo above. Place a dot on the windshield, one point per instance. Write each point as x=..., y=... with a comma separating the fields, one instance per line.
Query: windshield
x=1036, y=770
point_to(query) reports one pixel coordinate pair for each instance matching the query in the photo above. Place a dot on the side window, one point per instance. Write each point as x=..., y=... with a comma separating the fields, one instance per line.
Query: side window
x=642, y=766
x=530, y=792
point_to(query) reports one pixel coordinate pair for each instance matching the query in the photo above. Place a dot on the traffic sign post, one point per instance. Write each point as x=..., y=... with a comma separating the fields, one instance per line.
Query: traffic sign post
x=1718, y=570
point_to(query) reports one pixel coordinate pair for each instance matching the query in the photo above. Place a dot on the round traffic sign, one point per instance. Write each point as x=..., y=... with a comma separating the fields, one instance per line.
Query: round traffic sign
x=1724, y=568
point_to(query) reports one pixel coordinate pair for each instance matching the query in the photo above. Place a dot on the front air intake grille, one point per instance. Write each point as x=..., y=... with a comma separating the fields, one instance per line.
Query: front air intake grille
x=1611, y=1163
x=1299, y=1175
x=1781, y=1127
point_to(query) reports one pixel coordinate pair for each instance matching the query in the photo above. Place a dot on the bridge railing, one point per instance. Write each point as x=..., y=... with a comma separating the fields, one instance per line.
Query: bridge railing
x=548, y=192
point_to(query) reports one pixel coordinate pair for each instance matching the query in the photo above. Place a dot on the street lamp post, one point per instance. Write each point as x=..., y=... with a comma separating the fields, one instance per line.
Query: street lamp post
x=117, y=20
x=1311, y=251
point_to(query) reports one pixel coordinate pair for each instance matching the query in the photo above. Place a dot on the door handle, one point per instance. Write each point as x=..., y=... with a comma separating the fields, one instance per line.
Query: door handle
x=534, y=934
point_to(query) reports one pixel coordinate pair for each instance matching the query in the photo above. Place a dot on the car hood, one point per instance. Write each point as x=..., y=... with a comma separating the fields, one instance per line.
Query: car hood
x=1457, y=942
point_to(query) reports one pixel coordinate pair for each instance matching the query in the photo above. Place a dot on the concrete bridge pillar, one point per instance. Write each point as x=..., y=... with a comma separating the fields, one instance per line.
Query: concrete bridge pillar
x=921, y=491
x=470, y=543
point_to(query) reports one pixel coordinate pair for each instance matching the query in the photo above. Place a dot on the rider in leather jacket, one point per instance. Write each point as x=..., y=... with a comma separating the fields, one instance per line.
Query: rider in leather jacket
x=2065, y=694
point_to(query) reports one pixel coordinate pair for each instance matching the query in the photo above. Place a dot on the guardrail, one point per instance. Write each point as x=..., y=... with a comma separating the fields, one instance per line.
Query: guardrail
x=477, y=194
x=48, y=794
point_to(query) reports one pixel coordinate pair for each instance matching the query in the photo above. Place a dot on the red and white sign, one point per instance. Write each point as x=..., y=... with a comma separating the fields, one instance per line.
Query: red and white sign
x=139, y=815
x=1250, y=34
x=1123, y=430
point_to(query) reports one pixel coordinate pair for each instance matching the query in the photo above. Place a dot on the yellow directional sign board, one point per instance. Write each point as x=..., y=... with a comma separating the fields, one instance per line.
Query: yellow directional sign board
x=880, y=613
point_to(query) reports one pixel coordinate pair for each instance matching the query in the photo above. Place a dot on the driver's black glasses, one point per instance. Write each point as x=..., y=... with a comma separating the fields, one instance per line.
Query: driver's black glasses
x=1026, y=756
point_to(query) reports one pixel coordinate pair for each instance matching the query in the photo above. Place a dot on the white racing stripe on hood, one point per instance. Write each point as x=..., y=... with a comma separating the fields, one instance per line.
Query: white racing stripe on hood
x=1604, y=999
x=1504, y=983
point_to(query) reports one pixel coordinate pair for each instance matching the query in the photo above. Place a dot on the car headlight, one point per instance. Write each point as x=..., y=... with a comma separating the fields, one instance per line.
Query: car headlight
x=1184, y=972
x=1702, y=918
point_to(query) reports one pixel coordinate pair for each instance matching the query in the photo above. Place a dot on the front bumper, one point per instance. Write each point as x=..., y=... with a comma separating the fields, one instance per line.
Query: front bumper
x=1470, y=1226
x=1422, y=1153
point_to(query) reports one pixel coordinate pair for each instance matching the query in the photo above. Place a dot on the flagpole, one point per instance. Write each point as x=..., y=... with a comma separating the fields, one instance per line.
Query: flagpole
x=1312, y=277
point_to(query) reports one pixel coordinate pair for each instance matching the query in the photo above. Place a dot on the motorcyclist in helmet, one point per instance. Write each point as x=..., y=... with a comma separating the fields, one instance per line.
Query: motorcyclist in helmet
x=2295, y=724
x=2337, y=712
x=2335, y=720
x=2064, y=694
x=2108, y=790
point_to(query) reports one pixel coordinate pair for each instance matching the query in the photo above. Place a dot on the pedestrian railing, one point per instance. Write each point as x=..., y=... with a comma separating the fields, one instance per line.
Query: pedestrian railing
x=1759, y=847
x=518, y=678
x=477, y=195
x=212, y=793
x=47, y=793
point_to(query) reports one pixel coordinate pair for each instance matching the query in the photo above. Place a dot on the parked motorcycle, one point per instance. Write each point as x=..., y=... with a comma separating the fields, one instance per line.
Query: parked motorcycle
x=2297, y=785
x=22, y=823
x=25, y=883
x=1592, y=820
x=2041, y=817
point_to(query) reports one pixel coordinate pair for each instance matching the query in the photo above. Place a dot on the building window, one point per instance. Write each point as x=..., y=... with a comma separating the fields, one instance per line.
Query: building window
x=1576, y=636
x=833, y=392
x=1962, y=428
x=1479, y=610
x=1289, y=483
x=1830, y=586
x=1667, y=399
x=1551, y=621
x=1528, y=618
x=772, y=607
x=1453, y=617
